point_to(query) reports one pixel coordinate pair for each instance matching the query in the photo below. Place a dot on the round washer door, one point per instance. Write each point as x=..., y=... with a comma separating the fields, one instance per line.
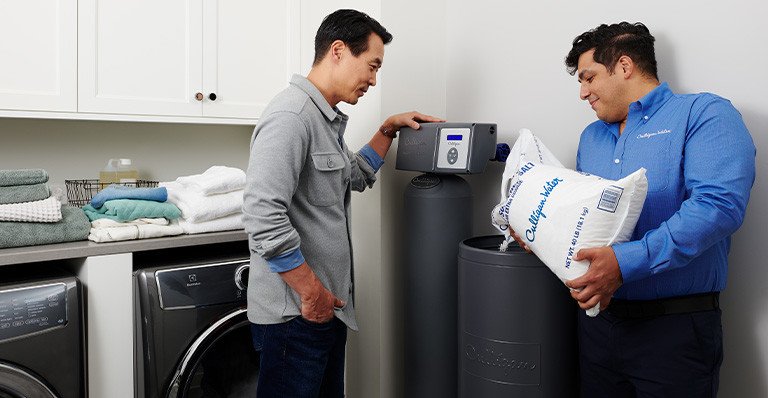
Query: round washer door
x=221, y=362
x=17, y=382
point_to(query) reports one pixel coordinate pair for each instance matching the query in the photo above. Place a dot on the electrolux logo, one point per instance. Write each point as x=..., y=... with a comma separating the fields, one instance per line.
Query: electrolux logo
x=192, y=280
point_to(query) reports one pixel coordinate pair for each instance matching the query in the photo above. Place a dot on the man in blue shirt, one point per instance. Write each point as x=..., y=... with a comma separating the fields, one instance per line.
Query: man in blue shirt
x=661, y=333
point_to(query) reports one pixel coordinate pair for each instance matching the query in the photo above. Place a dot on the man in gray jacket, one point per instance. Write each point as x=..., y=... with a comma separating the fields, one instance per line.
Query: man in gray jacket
x=296, y=209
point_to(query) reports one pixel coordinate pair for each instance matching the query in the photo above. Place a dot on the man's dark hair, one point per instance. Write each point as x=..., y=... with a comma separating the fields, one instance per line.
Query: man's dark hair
x=611, y=42
x=350, y=26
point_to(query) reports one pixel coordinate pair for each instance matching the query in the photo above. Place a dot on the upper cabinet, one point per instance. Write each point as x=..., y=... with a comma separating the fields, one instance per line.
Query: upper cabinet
x=38, y=55
x=201, y=58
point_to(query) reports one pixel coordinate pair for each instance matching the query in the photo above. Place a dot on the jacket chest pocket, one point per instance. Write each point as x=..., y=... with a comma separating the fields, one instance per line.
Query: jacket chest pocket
x=325, y=186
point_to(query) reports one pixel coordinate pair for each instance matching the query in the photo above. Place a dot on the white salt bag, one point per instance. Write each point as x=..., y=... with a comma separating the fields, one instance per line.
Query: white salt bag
x=558, y=211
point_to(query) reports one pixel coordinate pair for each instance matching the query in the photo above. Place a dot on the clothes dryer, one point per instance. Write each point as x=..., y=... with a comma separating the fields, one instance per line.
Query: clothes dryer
x=192, y=334
x=42, y=338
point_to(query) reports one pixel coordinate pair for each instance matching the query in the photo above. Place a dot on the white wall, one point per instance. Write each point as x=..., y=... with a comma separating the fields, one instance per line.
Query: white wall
x=505, y=65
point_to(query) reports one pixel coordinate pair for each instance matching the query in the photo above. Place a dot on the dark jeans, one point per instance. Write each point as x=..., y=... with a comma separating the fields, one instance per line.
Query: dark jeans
x=301, y=359
x=665, y=356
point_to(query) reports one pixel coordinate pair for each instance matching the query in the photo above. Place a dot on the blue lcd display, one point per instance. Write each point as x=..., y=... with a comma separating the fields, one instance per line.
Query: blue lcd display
x=454, y=137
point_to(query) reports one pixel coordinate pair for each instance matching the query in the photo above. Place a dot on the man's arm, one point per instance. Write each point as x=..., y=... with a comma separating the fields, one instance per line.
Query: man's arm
x=719, y=169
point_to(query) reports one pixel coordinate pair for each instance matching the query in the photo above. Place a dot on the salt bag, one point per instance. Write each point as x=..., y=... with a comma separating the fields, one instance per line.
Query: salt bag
x=557, y=211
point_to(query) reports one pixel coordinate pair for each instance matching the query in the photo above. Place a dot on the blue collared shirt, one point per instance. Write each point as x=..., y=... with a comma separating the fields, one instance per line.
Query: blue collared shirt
x=700, y=162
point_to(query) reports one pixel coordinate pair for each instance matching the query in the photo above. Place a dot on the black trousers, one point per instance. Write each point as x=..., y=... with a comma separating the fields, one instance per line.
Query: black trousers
x=675, y=355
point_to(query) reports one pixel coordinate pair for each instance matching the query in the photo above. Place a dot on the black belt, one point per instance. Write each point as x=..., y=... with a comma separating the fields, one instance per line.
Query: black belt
x=665, y=306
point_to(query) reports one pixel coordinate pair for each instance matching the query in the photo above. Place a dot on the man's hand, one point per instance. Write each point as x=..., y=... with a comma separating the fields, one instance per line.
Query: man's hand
x=410, y=119
x=317, y=302
x=382, y=139
x=602, y=279
x=519, y=240
x=317, y=305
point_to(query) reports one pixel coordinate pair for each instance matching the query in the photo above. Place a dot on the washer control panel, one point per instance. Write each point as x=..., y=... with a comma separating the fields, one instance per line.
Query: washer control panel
x=32, y=309
x=202, y=285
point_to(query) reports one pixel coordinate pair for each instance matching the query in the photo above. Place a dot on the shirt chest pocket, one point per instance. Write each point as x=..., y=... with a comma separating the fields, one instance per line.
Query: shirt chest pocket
x=325, y=185
x=654, y=154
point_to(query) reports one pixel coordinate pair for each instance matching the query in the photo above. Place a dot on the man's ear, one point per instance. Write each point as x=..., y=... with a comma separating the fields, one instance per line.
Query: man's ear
x=625, y=66
x=337, y=49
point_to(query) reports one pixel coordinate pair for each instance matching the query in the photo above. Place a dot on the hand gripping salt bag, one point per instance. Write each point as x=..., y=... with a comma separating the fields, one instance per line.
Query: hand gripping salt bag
x=558, y=211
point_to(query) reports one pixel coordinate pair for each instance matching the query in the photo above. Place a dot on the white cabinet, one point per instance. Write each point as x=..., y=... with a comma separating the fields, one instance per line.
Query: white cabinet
x=38, y=55
x=202, y=58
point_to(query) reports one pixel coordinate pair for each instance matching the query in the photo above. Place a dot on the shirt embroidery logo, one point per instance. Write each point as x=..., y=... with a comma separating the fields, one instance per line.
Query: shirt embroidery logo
x=649, y=135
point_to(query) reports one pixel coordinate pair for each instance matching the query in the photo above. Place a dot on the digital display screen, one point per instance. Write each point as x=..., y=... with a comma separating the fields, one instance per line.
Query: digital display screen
x=454, y=137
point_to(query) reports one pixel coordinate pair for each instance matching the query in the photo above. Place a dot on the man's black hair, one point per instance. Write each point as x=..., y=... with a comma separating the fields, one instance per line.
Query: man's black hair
x=611, y=42
x=350, y=26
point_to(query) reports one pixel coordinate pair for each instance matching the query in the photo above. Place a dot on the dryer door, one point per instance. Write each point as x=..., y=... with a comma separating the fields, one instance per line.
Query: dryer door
x=17, y=382
x=221, y=362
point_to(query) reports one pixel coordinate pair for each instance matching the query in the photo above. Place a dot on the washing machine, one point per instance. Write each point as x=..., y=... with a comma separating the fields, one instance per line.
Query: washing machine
x=41, y=337
x=192, y=334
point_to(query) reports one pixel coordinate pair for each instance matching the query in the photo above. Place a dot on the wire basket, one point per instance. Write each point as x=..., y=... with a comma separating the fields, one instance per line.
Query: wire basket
x=80, y=192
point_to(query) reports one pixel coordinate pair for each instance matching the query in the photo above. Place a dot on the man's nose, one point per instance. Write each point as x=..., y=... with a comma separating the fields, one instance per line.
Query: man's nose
x=583, y=92
x=372, y=80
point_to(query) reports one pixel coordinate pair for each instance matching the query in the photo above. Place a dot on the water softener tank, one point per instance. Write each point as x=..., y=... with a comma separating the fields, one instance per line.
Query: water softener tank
x=438, y=217
x=517, y=325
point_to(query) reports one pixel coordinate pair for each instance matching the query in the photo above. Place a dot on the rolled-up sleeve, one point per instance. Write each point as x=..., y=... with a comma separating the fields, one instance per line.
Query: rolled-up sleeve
x=363, y=172
x=278, y=151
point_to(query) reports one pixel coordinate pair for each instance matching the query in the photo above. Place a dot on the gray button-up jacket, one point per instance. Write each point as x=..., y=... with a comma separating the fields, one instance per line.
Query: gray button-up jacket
x=297, y=196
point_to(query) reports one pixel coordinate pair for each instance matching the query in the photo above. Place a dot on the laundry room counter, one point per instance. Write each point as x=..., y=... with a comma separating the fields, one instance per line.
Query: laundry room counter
x=82, y=249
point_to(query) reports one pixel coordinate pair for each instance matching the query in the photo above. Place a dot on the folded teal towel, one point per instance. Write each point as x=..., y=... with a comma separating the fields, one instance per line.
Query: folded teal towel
x=116, y=191
x=73, y=226
x=22, y=177
x=24, y=193
x=132, y=209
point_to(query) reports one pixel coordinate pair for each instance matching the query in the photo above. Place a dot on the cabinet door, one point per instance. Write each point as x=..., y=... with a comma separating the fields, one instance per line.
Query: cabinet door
x=38, y=51
x=140, y=57
x=250, y=50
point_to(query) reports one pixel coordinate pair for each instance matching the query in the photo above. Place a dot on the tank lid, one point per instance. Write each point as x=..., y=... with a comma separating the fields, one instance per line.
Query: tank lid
x=485, y=249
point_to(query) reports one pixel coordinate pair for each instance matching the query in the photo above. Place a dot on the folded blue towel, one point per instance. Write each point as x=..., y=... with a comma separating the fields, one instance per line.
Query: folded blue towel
x=132, y=209
x=115, y=191
x=22, y=177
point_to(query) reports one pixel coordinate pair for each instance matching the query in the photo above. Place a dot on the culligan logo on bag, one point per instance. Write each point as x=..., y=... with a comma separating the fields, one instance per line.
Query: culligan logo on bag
x=558, y=211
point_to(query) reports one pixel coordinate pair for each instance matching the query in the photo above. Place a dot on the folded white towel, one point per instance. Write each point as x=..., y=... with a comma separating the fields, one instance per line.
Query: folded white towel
x=46, y=210
x=109, y=223
x=227, y=223
x=217, y=179
x=134, y=231
x=196, y=207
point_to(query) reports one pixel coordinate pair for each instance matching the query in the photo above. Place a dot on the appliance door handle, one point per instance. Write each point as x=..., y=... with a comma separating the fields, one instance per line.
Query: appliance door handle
x=239, y=282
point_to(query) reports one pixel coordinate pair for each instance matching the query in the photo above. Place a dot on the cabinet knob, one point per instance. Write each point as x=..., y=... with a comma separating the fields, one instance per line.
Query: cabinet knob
x=212, y=96
x=199, y=96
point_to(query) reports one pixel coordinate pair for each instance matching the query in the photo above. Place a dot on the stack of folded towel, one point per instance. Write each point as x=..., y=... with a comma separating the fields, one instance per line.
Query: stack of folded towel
x=122, y=213
x=209, y=202
x=29, y=215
